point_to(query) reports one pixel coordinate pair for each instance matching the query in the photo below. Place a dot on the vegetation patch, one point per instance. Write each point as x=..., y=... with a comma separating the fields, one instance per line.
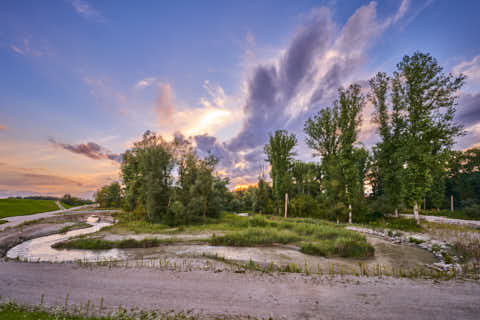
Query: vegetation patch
x=3, y=221
x=315, y=237
x=79, y=225
x=403, y=224
x=100, y=244
x=14, y=311
x=23, y=207
x=415, y=240
x=255, y=236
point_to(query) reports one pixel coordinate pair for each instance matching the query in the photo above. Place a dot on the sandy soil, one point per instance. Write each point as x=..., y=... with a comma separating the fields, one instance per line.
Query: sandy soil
x=290, y=296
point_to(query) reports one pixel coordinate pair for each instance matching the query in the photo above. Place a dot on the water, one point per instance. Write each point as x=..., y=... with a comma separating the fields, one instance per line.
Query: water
x=386, y=253
x=40, y=249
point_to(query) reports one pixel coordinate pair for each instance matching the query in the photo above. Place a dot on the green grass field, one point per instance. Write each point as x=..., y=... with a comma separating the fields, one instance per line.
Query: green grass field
x=24, y=207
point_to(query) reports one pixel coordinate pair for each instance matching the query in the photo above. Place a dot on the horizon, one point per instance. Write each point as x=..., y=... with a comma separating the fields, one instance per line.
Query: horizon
x=82, y=80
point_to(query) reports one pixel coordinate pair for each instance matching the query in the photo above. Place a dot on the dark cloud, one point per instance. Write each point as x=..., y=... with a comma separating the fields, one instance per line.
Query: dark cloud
x=90, y=149
x=206, y=144
x=468, y=109
x=307, y=76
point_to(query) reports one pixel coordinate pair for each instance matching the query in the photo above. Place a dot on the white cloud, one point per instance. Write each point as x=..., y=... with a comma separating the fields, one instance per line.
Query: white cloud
x=85, y=10
x=469, y=68
x=144, y=83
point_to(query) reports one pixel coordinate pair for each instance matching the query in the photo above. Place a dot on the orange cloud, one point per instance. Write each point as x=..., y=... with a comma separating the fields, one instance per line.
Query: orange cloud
x=2, y=127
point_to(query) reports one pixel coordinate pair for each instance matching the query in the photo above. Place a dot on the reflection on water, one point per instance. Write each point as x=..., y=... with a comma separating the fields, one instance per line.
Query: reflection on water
x=40, y=249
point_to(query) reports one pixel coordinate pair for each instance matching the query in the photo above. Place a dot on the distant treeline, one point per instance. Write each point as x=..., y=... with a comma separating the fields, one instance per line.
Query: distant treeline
x=66, y=199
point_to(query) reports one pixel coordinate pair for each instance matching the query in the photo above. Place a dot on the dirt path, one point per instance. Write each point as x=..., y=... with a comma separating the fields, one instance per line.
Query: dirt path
x=16, y=220
x=60, y=205
x=437, y=219
x=290, y=296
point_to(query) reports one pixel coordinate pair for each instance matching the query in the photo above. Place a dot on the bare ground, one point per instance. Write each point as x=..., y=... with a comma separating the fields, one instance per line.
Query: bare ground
x=290, y=296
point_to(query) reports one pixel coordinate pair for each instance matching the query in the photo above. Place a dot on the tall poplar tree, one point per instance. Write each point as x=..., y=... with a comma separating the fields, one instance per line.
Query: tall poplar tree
x=427, y=98
x=332, y=134
x=279, y=152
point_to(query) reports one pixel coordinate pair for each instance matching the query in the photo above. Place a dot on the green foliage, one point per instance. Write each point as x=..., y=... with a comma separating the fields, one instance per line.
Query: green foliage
x=279, y=152
x=109, y=196
x=429, y=99
x=100, y=244
x=332, y=134
x=68, y=201
x=255, y=236
x=343, y=247
x=14, y=311
x=315, y=237
x=151, y=188
x=22, y=207
x=403, y=224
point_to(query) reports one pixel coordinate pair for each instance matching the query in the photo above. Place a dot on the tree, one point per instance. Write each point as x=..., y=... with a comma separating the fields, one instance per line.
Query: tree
x=146, y=173
x=426, y=99
x=332, y=134
x=388, y=153
x=279, y=152
x=109, y=196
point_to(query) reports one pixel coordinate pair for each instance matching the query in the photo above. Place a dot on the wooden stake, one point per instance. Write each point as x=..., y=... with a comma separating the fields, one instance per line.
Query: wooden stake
x=350, y=214
x=451, y=202
x=286, y=204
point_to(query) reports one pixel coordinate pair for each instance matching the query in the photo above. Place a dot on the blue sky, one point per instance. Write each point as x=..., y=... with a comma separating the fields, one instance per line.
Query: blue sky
x=102, y=72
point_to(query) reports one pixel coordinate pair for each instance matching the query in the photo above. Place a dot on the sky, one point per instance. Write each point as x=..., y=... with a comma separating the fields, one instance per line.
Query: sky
x=81, y=80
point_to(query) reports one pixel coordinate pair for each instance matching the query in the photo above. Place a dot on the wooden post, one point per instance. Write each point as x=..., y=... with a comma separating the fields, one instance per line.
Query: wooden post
x=415, y=212
x=286, y=204
x=451, y=202
x=424, y=203
x=350, y=214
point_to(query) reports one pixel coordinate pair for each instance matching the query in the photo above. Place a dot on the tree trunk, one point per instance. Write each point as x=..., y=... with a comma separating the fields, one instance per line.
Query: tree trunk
x=396, y=212
x=286, y=204
x=204, y=208
x=415, y=212
x=350, y=214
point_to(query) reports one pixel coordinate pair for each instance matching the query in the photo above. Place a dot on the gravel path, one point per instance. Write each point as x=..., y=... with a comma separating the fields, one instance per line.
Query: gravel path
x=16, y=220
x=290, y=296
x=468, y=223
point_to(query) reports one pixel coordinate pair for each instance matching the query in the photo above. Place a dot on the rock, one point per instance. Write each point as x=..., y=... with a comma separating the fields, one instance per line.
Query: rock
x=93, y=219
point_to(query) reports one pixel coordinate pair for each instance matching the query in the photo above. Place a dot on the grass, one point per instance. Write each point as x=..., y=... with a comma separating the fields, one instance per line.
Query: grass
x=66, y=206
x=14, y=311
x=315, y=237
x=343, y=247
x=79, y=225
x=23, y=207
x=255, y=236
x=3, y=221
x=100, y=244
x=402, y=224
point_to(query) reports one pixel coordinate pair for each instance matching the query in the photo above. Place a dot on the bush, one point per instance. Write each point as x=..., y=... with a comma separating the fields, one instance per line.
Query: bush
x=343, y=247
x=255, y=236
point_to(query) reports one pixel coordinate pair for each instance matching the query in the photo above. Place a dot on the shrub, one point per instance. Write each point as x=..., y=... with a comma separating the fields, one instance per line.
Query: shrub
x=255, y=236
